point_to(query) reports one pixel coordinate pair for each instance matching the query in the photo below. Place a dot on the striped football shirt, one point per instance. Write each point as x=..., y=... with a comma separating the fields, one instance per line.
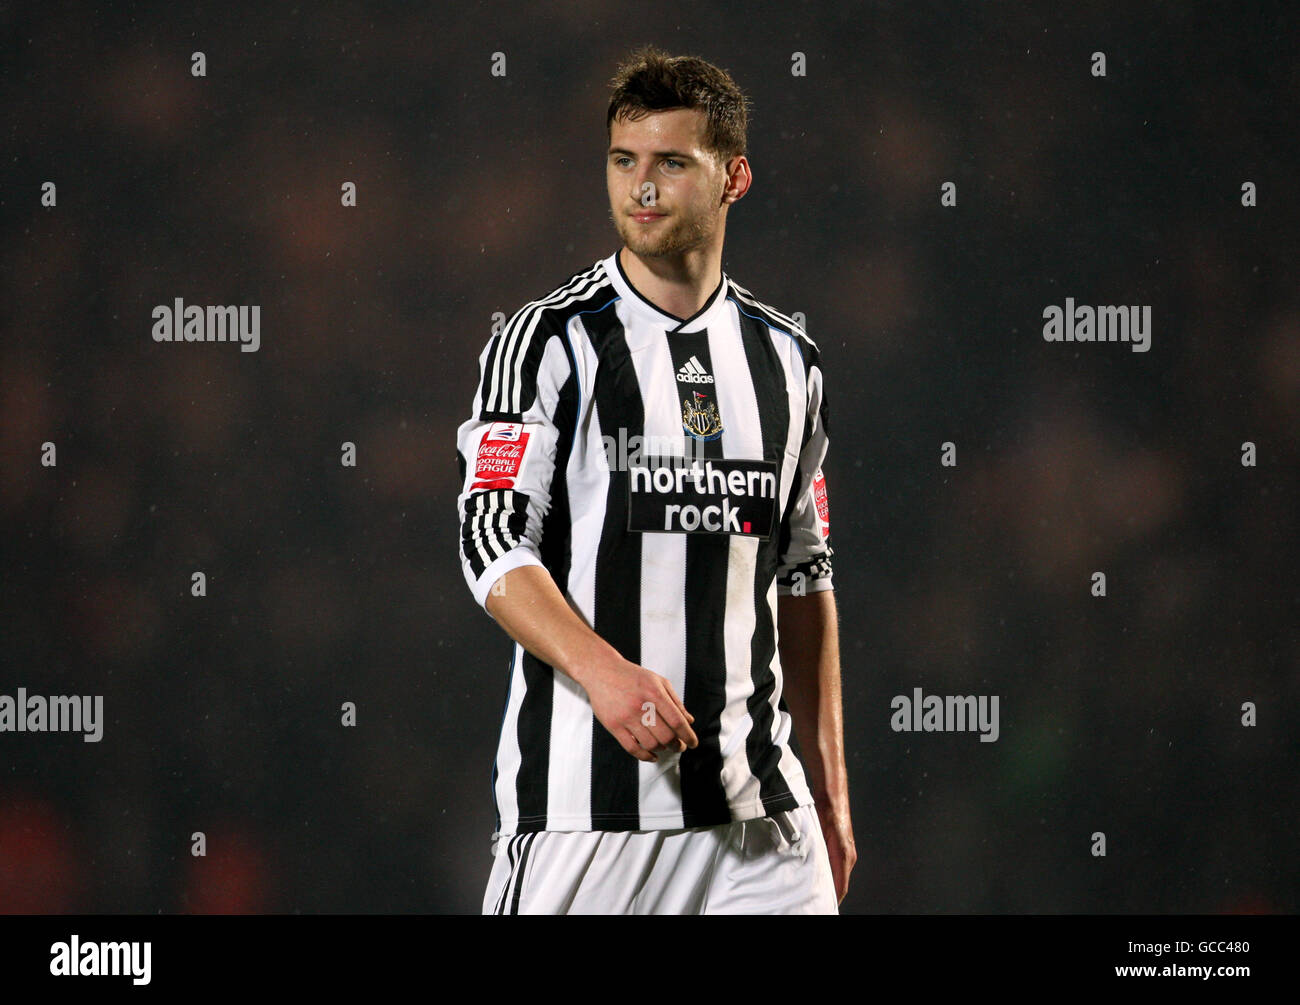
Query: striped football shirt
x=667, y=474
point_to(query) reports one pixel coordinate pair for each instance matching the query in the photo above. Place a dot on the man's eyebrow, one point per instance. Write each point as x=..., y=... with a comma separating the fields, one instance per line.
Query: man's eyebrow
x=658, y=153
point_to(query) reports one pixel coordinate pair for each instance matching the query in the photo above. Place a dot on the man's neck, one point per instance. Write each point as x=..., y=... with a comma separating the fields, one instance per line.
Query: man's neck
x=680, y=286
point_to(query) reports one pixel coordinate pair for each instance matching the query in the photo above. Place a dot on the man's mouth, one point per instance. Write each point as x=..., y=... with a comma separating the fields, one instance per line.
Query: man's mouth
x=647, y=217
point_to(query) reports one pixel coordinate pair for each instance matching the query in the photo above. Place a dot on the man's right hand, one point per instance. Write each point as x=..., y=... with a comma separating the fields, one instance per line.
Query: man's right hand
x=639, y=708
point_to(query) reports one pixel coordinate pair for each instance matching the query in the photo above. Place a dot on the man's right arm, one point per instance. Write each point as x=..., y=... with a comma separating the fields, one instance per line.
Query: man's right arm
x=530, y=607
x=508, y=452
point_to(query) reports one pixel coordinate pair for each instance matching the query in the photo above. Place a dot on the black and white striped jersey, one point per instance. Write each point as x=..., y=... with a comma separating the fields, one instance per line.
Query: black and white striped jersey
x=667, y=473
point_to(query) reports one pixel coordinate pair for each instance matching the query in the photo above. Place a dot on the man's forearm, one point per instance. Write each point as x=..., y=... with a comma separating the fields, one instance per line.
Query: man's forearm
x=530, y=607
x=808, y=629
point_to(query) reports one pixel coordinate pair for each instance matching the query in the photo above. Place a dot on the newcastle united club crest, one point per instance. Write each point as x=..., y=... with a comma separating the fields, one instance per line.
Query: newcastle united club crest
x=700, y=416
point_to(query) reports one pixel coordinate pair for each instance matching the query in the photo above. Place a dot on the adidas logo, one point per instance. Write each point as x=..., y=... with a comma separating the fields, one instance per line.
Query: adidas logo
x=692, y=372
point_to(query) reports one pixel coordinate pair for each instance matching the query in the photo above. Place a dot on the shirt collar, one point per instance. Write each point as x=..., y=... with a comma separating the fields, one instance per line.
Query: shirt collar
x=638, y=303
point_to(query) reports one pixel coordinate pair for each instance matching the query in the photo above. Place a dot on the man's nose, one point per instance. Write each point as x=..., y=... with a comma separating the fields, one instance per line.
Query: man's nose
x=644, y=191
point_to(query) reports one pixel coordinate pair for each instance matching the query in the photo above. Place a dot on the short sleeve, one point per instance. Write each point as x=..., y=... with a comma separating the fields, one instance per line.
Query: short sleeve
x=506, y=451
x=805, y=565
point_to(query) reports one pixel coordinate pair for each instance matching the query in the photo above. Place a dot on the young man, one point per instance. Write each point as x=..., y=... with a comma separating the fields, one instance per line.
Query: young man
x=643, y=511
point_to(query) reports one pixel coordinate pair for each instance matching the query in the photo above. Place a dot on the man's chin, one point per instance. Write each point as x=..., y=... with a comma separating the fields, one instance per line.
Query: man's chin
x=650, y=249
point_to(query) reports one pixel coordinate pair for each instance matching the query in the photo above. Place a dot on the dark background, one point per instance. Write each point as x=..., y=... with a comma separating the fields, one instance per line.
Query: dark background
x=476, y=194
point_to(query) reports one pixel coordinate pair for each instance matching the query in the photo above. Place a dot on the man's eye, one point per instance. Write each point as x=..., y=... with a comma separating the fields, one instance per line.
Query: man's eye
x=673, y=160
x=619, y=160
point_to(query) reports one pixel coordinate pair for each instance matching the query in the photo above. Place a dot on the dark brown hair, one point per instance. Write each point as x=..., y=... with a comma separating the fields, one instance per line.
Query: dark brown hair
x=650, y=80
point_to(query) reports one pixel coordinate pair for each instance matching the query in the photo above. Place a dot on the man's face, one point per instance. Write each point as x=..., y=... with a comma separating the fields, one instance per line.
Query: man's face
x=663, y=150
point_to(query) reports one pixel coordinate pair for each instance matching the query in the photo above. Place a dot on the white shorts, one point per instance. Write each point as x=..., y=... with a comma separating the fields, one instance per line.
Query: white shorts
x=776, y=864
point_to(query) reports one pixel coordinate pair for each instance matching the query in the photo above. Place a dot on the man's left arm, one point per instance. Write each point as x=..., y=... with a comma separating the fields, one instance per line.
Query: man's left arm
x=808, y=630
